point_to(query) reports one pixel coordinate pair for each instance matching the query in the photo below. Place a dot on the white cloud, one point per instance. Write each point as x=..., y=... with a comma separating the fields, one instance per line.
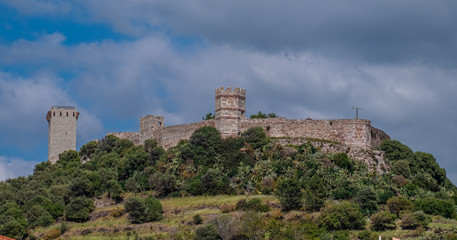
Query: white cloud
x=15, y=167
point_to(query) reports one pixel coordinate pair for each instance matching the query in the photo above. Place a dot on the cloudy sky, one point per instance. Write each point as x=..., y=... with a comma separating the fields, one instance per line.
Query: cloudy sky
x=119, y=60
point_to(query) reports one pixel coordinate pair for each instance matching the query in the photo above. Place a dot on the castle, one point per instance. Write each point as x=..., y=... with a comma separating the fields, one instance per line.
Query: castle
x=230, y=120
x=353, y=135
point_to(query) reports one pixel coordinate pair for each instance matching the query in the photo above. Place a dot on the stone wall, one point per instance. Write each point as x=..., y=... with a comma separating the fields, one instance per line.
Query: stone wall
x=171, y=135
x=354, y=132
x=132, y=136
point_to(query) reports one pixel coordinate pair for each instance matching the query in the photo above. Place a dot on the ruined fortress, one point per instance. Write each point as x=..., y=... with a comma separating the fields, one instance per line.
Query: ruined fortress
x=230, y=120
x=354, y=136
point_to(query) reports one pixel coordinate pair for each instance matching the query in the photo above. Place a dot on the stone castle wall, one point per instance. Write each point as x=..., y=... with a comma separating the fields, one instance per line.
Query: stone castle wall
x=231, y=122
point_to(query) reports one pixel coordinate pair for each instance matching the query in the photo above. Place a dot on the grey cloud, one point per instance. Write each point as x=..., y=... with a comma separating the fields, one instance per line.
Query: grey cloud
x=411, y=101
x=378, y=31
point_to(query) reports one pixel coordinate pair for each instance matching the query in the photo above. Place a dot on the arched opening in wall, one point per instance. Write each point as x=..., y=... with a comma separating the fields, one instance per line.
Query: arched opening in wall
x=67, y=114
x=160, y=123
x=54, y=114
x=268, y=128
x=73, y=114
x=331, y=123
x=61, y=114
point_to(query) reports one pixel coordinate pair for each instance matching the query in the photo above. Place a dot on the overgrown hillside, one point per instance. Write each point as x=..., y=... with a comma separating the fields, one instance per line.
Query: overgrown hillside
x=109, y=189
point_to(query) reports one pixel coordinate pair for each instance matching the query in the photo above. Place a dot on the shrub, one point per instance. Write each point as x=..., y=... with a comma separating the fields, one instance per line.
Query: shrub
x=208, y=232
x=397, y=205
x=445, y=208
x=117, y=212
x=342, y=216
x=364, y=235
x=163, y=184
x=254, y=204
x=341, y=235
x=382, y=220
x=415, y=220
x=228, y=207
x=289, y=194
x=342, y=160
x=52, y=234
x=197, y=219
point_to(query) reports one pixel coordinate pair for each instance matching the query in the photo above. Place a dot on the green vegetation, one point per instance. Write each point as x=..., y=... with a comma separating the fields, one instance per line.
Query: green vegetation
x=211, y=188
x=263, y=115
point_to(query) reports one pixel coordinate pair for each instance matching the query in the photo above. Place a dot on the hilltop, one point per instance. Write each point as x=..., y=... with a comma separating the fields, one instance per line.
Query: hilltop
x=248, y=187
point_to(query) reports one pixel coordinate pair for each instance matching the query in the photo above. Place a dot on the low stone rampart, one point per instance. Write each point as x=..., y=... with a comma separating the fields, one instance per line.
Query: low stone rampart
x=132, y=136
x=353, y=132
x=170, y=136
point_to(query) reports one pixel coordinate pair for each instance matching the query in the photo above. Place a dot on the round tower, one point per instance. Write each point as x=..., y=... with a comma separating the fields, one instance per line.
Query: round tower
x=62, y=130
x=230, y=109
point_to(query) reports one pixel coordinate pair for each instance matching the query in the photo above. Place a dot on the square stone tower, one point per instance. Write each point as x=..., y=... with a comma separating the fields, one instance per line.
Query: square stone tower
x=62, y=130
x=230, y=109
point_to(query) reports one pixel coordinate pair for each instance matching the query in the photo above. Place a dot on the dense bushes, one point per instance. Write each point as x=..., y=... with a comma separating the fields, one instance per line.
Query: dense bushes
x=445, y=208
x=303, y=178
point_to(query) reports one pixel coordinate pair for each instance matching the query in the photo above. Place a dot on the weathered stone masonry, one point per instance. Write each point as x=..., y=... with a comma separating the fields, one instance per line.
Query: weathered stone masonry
x=230, y=120
x=62, y=130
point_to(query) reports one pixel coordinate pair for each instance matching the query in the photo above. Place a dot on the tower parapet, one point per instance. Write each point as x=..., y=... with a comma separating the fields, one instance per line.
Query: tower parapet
x=62, y=130
x=230, y=109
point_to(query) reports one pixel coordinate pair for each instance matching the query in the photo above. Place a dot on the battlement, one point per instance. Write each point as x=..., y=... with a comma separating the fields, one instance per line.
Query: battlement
x=63, y=107
x=229, y=91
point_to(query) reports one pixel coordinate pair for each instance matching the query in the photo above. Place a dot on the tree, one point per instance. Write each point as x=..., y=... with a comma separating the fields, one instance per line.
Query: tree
x=290, y=195
x=415, y=220
x=114, y=190
x=143, y=210
x=397, y=205
x=38, y=216
x=259, y=115
x=151, y=146
x=78, y=209
x=255, y=136
x=208, y=116
x=343, y=216
x=212, y=182
x=395, y=150
x=401, y=167
x=383, y=220
x=315, y=193
x=367, y=200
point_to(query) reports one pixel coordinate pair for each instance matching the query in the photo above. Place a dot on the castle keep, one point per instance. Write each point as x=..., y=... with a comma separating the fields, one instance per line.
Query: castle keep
x=62, y=130
x=230, y=120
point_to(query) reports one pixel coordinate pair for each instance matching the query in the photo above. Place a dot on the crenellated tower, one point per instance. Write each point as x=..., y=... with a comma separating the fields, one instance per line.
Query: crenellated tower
x=230, y=109
x=62, y=130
